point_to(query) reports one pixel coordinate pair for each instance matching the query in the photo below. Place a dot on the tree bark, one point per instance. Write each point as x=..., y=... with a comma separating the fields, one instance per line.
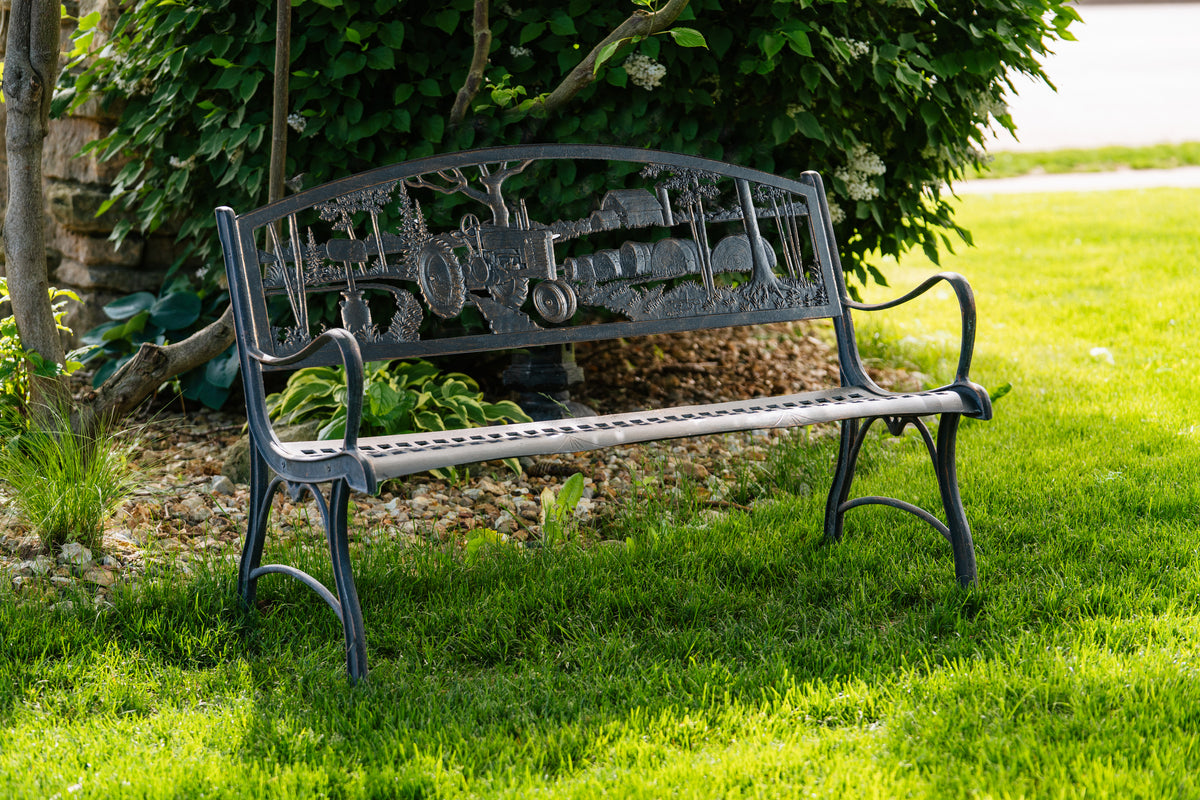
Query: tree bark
x=483, y=45
x=279, y=111
x=30, y=71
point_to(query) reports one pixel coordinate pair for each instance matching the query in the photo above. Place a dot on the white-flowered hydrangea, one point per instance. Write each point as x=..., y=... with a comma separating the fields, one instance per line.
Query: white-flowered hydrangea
x=297, y=122
x=857, y=49
x=861, y=165
x=517, y=52
x=644, y=71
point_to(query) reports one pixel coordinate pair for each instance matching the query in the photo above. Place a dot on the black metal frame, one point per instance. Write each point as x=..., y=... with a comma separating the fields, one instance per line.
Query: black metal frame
x=696, y=300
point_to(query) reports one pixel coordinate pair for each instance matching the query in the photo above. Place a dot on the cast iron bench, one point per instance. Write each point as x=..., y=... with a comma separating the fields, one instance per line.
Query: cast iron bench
x=638, y=242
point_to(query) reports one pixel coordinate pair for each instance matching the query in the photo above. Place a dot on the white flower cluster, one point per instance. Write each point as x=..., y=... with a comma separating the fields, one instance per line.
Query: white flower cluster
x=644, y=71
x=857, y=49
x=836, y=215
x=176, y=163
x=297, y=122
x=862, y=164
x=517, y=52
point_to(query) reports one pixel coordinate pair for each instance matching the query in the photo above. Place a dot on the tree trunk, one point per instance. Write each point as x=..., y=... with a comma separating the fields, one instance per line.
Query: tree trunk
x=30, y=72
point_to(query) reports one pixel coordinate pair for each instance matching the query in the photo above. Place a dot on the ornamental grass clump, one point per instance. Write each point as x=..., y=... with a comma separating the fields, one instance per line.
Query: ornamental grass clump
x=65, y=484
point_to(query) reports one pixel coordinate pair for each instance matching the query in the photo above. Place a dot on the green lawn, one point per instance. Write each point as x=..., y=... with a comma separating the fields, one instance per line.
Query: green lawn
x=1103, y=159
x=734, y=656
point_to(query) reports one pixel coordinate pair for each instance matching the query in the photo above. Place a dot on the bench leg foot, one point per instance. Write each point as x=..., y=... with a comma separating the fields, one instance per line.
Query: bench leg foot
x=956, y=516
x=336, y=529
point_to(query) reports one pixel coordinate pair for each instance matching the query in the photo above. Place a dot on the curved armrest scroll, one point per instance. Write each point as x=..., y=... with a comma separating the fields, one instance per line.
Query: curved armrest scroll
x=966, y=305
x=351, y=359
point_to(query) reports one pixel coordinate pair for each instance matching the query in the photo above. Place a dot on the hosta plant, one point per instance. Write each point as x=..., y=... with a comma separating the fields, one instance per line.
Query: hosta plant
x=399, y=397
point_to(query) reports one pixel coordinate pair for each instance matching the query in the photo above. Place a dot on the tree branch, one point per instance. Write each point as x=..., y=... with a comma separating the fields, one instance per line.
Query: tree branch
x=150, y=367
x=640, y=24
x=483, y=44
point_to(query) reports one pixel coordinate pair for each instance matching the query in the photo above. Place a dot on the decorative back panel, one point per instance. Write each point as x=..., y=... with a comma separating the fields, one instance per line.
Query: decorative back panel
x=462, y=253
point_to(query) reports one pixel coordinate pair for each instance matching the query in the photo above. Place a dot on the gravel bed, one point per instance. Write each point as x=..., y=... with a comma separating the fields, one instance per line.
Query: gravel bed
x=185, y=511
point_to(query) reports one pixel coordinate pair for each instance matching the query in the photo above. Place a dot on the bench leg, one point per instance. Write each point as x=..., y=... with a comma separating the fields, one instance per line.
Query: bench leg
x=852, y=435
x=956, y=529
x=336, y=529
x=256, y=529
x=956, y=516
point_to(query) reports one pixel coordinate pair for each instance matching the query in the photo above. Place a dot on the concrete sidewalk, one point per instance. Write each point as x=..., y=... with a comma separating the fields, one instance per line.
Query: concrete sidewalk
x=1183, y=177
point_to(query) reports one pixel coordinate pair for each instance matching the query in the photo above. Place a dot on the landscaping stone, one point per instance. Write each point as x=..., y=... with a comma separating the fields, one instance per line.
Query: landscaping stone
x=75, y=555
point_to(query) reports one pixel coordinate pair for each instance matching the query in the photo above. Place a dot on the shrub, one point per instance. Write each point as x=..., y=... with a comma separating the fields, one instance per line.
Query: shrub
x=889, y=99
x=18, y=365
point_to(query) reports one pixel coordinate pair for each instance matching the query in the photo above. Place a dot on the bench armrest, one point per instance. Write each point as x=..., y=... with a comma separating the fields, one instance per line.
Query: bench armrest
x=966, y=305
x=347, y=345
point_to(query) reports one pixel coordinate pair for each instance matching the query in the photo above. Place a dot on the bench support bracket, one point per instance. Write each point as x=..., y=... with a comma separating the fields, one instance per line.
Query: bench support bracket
x=956, y=529
x=344, y=601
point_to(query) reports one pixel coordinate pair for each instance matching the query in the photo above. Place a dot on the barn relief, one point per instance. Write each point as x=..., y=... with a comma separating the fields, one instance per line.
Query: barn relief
x=694, y=243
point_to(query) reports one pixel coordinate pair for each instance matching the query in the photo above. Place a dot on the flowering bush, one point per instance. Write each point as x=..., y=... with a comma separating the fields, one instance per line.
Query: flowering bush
x=888, y=99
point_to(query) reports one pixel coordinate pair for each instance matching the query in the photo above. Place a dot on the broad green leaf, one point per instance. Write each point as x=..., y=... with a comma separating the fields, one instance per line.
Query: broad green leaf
x=125, y=307
x=689, y=37
x=176, y=310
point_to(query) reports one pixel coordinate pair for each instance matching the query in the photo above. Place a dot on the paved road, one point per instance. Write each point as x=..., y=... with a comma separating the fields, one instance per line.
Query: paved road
x=1185, y=177
x=1132, y=78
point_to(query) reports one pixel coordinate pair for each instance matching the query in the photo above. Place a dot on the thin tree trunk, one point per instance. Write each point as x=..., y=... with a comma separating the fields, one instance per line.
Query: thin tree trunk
x=30, y=71
x=283, y=66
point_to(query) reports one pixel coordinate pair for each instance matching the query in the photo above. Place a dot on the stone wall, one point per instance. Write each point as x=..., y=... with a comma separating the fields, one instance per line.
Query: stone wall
x=81, y=257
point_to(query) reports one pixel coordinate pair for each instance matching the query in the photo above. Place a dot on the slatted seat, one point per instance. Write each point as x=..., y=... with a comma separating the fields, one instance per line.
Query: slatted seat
x=660, y=243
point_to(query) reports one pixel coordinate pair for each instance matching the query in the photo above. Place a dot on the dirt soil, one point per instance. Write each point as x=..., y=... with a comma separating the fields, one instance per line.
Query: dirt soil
x=185, y=509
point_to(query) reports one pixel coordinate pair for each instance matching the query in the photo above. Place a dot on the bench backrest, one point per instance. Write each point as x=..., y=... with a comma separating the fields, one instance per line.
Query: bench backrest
x=464, y=252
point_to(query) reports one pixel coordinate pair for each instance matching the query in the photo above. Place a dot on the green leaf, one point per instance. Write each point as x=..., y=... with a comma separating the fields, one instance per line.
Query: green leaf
x=125, y=307
x=606, y=53
x=809, y=126
x=562, y=24
x=571, y=492
x=176, y=310
x=689, y=37
x=223, y=370
x=447, y=20
x=798, y=41
x=771, y=44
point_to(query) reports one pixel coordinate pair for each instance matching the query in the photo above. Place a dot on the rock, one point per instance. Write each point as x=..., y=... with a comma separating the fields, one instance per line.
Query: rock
x=100, y=576
x=28, y=546
x=505, y=523
x=59, y=580
x=74, y=554
x=38, y=566
x=196, y=509
x=222, y=485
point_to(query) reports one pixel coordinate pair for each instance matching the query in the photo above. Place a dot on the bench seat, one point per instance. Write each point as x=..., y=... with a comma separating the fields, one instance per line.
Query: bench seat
x=407, y=454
